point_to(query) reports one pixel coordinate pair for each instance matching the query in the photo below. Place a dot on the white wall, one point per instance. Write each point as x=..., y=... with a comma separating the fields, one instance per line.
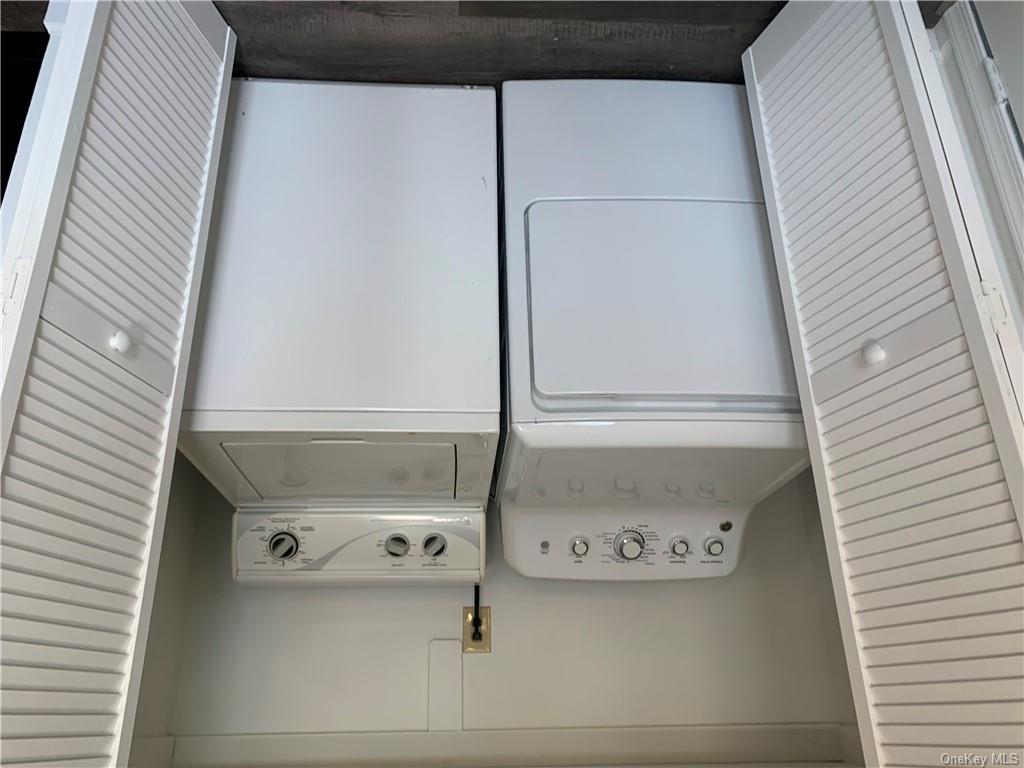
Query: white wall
x=190, y=492
x=1003, y=22
x=744, y=667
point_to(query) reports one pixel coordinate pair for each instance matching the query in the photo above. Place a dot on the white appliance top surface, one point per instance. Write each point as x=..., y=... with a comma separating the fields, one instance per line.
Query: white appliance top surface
x=353, y=262
x=649, y=299
x=639, y=266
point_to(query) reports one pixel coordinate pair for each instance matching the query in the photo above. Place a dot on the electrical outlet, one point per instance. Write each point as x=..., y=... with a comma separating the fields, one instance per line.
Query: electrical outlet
x=483, y=645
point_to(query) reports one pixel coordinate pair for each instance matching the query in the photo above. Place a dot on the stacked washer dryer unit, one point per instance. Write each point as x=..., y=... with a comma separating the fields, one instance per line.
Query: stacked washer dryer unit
x=651, y=399
x=345, y=386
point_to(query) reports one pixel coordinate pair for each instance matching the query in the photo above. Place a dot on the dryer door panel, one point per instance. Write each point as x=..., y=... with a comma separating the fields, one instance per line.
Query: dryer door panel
x=346, y=469
x=654, y=301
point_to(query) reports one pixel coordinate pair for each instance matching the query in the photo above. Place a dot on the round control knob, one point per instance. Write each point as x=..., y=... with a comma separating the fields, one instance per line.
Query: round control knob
x=434, y=544
x=629, y=545
x=283, y=545
x=579, y=546
x=714, y=547
x=396, y=545
x=679, y=547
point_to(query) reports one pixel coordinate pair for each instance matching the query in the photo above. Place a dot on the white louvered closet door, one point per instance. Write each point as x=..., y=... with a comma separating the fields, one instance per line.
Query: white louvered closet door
x=109, y=232
x=903, y=363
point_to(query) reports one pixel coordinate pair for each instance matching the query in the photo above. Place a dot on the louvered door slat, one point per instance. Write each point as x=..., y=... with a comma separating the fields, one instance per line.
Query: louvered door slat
x=17, y=558
x=854, y=282
x=932, y=548
x=923, y=532
x=887, y=251
x=824, y=213
x=956, y=714
x=35, y=585
x=113, y=96
x=131, y=199
x=966, y=693
x=928, y=571
x=142, y=93
x=51, y=748
x=31, y=630
x=29, y=469
x=940, y=629
x=92, y=483
x=110, y=144
x=147, y=276
x=56, y=725
x=89, y=453
x=810, y=176
x=920, y=755
x=957, y=595
x=847, y=88
x=34, y=540
x=105, y=533
x=74, y=762
x=186, y=93
x=980, y=669
x=91, y=410
x=979, y=646
x=910, y=433
x=24, y=653
x=875, y=424
x=24, y=491
x=65, y=613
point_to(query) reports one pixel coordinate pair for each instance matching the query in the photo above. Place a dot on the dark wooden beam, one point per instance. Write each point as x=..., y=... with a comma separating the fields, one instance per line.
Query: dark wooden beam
x=481, y=42
x=22, y=15
x=484, y=43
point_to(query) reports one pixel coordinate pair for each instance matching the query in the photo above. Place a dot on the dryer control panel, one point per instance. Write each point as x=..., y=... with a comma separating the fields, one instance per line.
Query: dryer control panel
x=309, y=546
x=622, y=546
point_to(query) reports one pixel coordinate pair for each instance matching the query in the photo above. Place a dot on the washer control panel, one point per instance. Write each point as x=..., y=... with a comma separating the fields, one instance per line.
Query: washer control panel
x=310, y=546
x=613, y=545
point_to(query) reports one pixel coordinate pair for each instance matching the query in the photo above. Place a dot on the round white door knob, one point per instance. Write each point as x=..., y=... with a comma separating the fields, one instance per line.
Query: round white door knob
x=872, y=352
x=120, y=342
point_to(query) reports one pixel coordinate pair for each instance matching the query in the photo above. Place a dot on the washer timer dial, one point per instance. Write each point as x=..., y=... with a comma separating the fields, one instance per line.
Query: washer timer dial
x=283, y=545
x=396, y=545
x=629, y=545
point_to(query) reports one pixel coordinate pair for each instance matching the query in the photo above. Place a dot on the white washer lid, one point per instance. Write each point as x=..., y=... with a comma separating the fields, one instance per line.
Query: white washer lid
x=655, y=301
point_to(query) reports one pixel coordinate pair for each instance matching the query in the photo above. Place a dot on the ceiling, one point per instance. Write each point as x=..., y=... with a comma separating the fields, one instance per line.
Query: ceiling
x=482, y=42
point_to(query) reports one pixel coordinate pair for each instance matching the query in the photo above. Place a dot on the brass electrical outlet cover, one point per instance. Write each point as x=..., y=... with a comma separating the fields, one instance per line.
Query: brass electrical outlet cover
x=468, y=644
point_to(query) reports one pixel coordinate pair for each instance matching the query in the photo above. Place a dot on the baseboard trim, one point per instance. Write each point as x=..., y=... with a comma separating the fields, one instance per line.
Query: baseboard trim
x=681, y=745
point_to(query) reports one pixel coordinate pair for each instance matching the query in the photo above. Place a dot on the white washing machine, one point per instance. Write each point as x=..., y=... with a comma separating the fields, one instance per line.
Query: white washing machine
x=345, y=387
x=651, y=397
